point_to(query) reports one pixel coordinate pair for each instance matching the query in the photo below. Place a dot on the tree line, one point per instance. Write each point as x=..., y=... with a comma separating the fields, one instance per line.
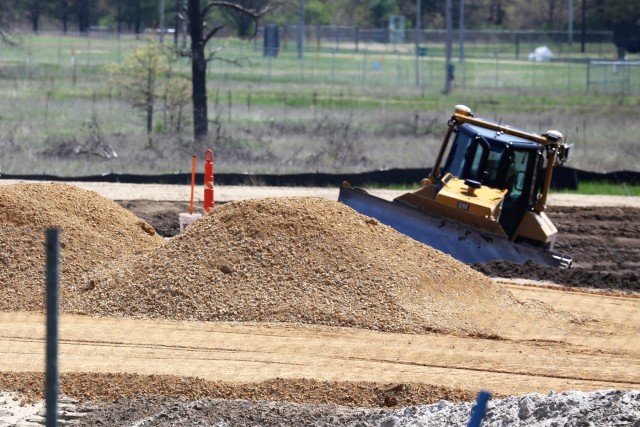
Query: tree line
x=137, y=15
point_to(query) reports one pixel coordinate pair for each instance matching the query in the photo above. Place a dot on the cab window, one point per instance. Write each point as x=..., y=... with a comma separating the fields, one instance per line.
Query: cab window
x=515, y=179
x=456, y=160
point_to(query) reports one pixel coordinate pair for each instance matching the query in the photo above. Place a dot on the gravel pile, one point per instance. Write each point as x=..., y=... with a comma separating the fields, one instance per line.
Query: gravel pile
x=300, y=260
x=608, y=408
x=95, y=232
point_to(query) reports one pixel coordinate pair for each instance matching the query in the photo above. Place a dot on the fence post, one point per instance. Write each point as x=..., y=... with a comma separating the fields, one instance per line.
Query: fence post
x=588, y=76
x=497, y=70
x=479, y=409
x=534, y=69
x=364, y=68
x=51, y=385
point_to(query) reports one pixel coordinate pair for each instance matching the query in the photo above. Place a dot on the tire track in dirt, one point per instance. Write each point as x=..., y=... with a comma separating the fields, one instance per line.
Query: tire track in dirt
x=249, y=353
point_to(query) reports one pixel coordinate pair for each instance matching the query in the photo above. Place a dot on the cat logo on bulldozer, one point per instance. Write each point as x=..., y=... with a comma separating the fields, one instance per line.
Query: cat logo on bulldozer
x=463, y=205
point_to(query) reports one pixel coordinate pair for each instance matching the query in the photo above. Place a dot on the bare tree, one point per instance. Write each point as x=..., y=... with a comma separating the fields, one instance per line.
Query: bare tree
x=62, y=11
x=34, y=9
x=196, y=13
x=542, y=14
x=83, y=11
x=243, y=22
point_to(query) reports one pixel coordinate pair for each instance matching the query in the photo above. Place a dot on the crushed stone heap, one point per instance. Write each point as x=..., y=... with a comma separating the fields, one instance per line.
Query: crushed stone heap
x=299, y=260
x=94, y=231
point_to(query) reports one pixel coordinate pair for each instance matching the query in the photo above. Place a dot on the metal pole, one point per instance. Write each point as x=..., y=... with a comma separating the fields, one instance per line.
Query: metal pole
x=583, y=25
x=418, y=31
x=184, y=23
x=301, y=30
x=51, y=385
x=461, y=35
x=161, y=21
x=570, y=18
x=479, y=409
x=448, y=65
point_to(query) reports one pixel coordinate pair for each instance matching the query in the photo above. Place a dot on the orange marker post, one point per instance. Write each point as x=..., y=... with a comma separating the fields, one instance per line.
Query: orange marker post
x=193, y=182
x=208, y=181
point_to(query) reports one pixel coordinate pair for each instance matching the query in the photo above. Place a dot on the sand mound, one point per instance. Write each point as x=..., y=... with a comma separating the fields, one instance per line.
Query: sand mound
x=300, y=260
x=95, y=231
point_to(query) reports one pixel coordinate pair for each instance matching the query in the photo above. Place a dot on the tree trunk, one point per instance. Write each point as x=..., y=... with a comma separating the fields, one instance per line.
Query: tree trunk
x=138, y=19
x=34, y=23
x=199, y=72
x=150, y=101
x=119, y=17
x=83, y=16
x=149, y=118
x=35, y=17
x=65, y=17
x=150, y=126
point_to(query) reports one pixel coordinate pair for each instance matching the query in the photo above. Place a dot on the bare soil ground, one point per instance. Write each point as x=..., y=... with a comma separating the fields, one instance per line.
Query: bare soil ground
x=597, y=353
x=585, y=338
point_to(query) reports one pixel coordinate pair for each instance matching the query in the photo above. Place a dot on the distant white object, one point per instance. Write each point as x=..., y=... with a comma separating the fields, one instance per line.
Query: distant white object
x=541, y=53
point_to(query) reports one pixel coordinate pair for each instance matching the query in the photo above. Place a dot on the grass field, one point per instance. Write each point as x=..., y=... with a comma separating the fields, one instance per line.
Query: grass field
x=606, y=188
x=336, y=111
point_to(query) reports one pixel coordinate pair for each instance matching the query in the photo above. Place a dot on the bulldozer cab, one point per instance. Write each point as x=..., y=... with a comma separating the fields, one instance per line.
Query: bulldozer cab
x=501, y=161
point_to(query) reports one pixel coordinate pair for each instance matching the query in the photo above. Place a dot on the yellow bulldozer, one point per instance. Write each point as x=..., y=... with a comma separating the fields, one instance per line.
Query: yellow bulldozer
x=486, y=201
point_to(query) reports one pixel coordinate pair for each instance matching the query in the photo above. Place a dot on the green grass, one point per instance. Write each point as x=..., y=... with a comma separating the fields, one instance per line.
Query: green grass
x=605, y=188
x=283, y=116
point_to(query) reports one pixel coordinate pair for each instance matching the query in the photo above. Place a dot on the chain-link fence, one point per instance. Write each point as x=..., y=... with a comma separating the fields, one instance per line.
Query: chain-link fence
x=522, y=61
x=613, y=77
x=389, y=60
x=474, y=44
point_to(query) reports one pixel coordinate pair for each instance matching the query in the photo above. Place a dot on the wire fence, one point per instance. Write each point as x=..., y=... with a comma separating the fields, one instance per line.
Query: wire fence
x=475, y=44
x=480, y=60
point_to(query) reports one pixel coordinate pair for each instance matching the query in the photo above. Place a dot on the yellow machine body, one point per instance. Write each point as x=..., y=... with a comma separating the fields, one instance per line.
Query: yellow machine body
x=479, y=208
x=486, y=202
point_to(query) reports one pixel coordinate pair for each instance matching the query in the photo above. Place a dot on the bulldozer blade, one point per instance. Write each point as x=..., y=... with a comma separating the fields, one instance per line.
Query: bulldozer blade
x=458, y=240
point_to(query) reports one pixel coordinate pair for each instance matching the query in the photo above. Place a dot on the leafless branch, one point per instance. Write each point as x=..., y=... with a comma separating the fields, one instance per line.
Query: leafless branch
x=212, y=33
x=254, y=14
x=7, y=39
x=237, y=62
x=213, y=53
x=231, y=5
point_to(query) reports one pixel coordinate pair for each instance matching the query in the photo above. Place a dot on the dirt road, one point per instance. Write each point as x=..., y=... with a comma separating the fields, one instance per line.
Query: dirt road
x=225, y=193
x=598, y=356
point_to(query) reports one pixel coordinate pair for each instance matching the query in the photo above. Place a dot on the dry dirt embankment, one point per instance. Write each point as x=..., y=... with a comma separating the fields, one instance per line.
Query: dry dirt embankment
x=296, y=270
